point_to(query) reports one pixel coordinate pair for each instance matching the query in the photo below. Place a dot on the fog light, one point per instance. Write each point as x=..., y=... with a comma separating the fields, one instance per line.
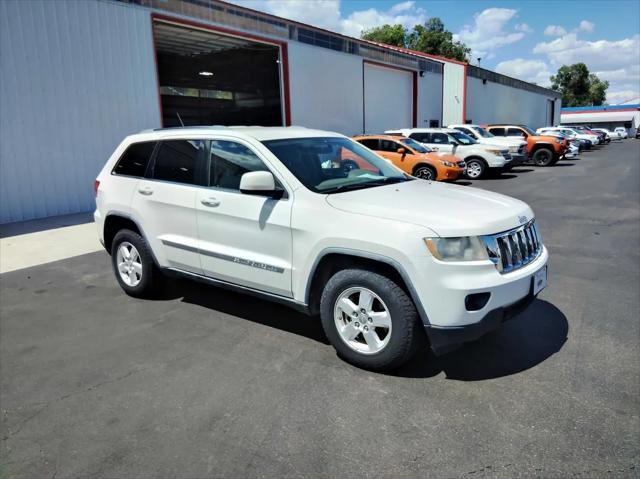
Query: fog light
x=474, y=302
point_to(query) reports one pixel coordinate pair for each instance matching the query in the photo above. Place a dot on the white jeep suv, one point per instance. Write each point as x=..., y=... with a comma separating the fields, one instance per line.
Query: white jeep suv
x=517, y=146
x=480, y=158
x=315, y=220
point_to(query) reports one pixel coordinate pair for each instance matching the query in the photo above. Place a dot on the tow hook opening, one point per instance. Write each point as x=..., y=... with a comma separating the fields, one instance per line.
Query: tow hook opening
x=476, y=301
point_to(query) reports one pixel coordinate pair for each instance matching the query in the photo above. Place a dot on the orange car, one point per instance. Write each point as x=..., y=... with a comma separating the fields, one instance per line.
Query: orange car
x=541, y=150
x=413, y=158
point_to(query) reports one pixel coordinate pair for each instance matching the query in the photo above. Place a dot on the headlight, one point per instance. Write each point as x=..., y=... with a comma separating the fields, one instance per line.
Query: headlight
x=495, y=152
x=447, y=163
x=466, y=248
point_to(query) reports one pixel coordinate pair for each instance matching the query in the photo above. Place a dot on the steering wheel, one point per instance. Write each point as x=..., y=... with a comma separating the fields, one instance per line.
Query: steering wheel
x=348, y=165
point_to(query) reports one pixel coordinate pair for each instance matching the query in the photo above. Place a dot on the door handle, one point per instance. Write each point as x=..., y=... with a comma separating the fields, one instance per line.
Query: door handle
x=145, y=191
x=212, y=202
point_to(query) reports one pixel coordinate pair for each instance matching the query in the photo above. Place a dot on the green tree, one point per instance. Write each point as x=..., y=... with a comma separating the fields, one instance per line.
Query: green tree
x=597, y=90
x=433, y=38
x=578, y=86
x=430, y=38
x=388, y=34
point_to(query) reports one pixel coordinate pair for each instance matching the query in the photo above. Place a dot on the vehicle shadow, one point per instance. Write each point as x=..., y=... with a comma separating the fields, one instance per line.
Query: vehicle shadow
x=519, y=344
x=246, y=307
x=522, y=170
x=564, y=164
x=503, y=176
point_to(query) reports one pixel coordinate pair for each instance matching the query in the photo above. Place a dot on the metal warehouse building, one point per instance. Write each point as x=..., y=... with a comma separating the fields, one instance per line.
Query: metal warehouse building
x=608, y=116
x=76, y=77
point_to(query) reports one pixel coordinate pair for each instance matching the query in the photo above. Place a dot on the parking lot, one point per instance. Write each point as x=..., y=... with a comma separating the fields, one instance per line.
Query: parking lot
x=208, y=383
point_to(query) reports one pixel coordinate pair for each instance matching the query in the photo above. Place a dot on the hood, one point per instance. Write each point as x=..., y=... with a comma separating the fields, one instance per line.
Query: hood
x=448, y=210
x=501, y=141
x=542, y=138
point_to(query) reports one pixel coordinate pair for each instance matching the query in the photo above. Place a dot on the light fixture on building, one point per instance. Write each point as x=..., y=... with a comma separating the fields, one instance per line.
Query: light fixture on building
x=205, y=74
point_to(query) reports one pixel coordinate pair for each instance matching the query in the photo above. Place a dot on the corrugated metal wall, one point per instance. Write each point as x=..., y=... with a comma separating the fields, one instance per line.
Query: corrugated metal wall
x=75, y=78
x=453, y=94
x=496, y=103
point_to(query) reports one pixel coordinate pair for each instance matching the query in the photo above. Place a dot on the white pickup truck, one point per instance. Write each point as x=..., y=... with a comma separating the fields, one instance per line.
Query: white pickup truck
x=480, y=158
x=314, y=220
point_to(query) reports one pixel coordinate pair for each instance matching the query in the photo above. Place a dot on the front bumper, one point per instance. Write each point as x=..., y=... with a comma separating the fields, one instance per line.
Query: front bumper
x=442, y=289
x=449, y=173
x=447, y=339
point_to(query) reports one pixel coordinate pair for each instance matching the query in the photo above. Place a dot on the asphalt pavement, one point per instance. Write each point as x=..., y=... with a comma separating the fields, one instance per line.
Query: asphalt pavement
x=208, y=383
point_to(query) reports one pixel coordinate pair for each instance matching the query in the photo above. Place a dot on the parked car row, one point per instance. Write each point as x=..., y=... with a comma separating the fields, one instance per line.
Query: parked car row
x=446, y=154
x=473, y=151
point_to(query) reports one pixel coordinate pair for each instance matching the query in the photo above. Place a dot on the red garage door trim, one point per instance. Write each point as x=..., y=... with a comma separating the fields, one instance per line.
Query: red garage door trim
x=284, y=54
x=414, y=75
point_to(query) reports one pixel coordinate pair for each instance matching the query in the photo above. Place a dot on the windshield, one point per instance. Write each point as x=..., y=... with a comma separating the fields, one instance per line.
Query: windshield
x=482, y=132
x=413, y=144
x=332, y=165
x=462, y=138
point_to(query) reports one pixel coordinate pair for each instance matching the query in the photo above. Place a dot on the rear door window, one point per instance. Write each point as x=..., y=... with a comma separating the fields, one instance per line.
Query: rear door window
x=439, y=138
x=390, y=146
x=497, y=131
x=421, y=137
x=370, y=143
x=180, y=161
x=135, y=159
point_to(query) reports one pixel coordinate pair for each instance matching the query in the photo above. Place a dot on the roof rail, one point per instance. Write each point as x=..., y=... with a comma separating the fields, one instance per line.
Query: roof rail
x=204, y=127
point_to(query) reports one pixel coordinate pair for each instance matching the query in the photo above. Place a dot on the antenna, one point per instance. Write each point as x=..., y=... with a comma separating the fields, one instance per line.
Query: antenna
x=181, y=122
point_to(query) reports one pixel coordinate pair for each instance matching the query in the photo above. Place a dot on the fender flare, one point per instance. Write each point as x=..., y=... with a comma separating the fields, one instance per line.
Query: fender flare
x=375, y=257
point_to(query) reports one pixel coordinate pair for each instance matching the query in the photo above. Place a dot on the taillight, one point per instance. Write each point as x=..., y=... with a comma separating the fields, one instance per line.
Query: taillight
x=96, y=184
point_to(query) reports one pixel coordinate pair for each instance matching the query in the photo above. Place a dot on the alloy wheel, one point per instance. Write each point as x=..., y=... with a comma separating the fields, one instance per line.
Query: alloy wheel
x=363, y=320
x=474, y=170
x=129, y=264
x=425, y=174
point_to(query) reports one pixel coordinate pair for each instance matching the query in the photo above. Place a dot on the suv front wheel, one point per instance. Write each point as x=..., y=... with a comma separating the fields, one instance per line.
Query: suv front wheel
x=369, y=319
x=543, y=157
x=475, y=168
x=133, y=265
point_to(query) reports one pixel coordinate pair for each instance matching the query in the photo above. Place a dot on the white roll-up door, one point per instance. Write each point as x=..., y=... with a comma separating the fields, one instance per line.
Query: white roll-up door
x=388, y=99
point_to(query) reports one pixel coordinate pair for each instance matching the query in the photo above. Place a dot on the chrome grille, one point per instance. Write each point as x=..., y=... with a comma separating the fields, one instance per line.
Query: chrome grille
x=515, y=248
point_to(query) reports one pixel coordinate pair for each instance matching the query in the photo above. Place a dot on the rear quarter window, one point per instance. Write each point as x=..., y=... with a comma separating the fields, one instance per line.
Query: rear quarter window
x=135, y=159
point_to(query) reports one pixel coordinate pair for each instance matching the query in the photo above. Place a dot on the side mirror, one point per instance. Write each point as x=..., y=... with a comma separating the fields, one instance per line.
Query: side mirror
x=401, y=151
x=261, y=183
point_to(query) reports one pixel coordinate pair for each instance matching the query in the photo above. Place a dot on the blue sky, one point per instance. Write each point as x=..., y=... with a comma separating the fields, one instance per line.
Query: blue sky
x=526, y=39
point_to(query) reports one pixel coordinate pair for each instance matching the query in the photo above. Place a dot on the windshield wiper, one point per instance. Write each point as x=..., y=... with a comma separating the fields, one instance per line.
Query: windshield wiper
x=357, y=186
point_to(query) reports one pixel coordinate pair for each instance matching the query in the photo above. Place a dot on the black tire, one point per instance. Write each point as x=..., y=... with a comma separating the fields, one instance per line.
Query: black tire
x=425, y=172
x=405, y=333
x=473, y=165
x=543, y=157
x=151, y=280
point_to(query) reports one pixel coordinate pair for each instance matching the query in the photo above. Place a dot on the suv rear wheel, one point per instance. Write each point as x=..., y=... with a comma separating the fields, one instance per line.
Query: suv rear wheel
x=369, y=319
x=133, y=265
x=543, y=157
